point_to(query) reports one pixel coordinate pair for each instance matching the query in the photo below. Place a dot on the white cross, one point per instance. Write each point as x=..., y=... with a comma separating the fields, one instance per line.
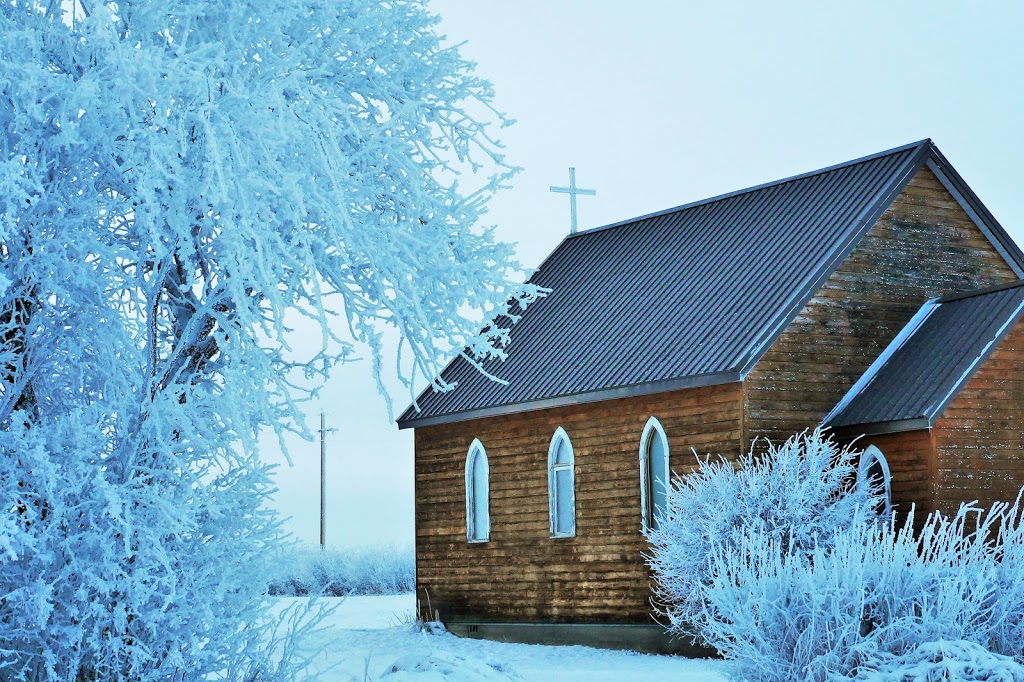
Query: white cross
x=572, y=191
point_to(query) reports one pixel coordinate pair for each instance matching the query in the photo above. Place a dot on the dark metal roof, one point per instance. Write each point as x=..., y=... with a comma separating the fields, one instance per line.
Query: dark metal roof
x=689, y=296
x=927, y=364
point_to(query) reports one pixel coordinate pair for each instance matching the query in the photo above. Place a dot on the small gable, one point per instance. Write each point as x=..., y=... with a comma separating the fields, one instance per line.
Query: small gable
x=925, y=245
x=924, y=368
x=979, y=436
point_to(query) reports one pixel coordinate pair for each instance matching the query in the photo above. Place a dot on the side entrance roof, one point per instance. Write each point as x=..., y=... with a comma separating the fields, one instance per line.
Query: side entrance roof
x=915, y=378
x=689, y=296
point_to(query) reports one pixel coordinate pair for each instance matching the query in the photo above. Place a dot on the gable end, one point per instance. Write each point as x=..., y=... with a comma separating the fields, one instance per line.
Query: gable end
x=927, y=157
x=972, y=206
x=925, y=245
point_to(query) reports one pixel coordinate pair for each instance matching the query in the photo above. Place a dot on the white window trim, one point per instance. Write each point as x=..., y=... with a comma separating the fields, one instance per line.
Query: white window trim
x=477, y=451
x=560, y=435
x=872, y=453
x=652, y=427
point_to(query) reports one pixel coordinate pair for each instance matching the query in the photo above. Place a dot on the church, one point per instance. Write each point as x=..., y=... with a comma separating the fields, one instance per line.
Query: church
x=878, y=297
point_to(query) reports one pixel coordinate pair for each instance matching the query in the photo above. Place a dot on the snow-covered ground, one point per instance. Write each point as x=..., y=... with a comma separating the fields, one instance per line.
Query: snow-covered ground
x=368, y=635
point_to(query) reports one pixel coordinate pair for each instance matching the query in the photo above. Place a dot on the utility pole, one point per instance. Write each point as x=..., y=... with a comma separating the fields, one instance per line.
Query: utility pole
x=323, y=482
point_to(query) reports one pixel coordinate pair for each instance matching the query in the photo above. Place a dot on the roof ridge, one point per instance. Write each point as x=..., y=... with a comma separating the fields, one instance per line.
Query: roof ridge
x=773, y=183
x=981, y=292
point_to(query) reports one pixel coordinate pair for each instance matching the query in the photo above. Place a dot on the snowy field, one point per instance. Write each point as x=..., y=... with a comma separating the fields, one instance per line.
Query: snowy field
x=368, y=635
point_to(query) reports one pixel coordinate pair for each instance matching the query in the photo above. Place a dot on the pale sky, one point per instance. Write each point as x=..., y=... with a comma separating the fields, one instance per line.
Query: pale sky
x=658, y=104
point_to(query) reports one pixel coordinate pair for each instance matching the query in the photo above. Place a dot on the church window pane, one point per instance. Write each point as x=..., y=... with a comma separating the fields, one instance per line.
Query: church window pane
x=873, y=474
x=561, y=485
x=654, y=473
x=478, y=515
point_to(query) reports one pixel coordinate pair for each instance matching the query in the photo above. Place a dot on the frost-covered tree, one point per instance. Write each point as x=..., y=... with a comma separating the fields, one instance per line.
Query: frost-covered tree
x=180, y=183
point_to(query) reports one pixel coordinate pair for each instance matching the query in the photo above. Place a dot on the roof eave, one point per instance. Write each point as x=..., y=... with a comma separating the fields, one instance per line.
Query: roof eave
x=926, y=154
x=881, y=428
x=575, y=399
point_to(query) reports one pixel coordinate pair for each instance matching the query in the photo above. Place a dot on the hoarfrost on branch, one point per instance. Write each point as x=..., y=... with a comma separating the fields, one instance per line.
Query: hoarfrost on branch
x=181, y=182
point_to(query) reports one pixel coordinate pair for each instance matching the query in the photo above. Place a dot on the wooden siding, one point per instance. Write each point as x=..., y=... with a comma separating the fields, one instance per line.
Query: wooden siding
x=923, y=246
x=523, y=575
x=911, y=459
x=979, y=437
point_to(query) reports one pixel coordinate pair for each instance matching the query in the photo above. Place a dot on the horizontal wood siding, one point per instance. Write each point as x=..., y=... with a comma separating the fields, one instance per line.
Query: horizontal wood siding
x=923, y=246
x=911, y=459
x=523, y=575
x=980, y=435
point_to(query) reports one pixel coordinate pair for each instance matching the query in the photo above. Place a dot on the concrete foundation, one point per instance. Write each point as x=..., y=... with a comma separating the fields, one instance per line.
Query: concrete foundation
x=645, y=638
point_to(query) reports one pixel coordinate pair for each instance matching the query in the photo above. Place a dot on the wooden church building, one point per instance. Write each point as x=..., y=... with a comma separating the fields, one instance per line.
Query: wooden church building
x=878, y=296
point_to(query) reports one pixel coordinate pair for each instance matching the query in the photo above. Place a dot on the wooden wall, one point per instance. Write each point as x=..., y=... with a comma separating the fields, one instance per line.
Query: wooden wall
x=523, y=575
x=924, y=245
x=911, y=459
x=979, y=437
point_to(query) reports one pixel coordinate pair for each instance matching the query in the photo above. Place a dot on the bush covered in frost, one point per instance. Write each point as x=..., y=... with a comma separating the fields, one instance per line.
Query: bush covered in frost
x=306, y=570
x=941, y=661
x=797, y=495
x=823, y=597
x=871, y=595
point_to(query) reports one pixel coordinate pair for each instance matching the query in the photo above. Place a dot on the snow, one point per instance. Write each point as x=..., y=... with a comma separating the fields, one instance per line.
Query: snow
x=960, y=660
x=371, y=637
x=373, y=612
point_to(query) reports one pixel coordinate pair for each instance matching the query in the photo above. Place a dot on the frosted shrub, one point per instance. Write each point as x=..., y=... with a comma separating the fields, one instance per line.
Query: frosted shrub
x=1007, y=617
x=794, y=496
x=309, y=570
x=869, y=596
x=862, y=598
x=942, y=661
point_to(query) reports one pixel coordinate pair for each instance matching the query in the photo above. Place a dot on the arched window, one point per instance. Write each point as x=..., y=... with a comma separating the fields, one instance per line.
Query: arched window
x=478, y=493
x=654, y=473
x=562, y=486
x=874, y=472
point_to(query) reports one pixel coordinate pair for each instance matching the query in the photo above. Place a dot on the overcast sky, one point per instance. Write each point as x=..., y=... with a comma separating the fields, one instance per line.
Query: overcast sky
x=657, y=104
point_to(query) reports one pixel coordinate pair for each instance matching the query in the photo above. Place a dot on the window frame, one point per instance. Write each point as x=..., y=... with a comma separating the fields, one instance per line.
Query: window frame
x=477, y=452
x=570, y=466
x=870, y=455
x=651, y=428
